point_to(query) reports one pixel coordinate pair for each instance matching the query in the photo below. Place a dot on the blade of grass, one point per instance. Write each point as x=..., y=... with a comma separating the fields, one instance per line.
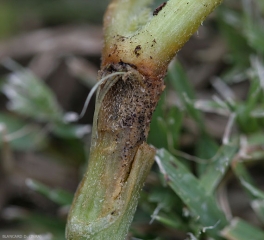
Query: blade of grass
x=244, y=109
x=66, y=130
x=230, y=23
x=174, y=125
x=212, y=107
x=217, y=167
x=158, y=132
x=170, y=220
x=58, y=196
x=246, y=180
x=180, y=83
x=206, y=147
x=253, y=26
x=241, y=230
x=241, y=172
x=187, y=187
x=29, y=96
x=255, y=192
x=258, y=207
x=20, y=135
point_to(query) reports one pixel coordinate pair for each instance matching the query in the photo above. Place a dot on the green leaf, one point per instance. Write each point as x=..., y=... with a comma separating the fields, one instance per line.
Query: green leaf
x=65, y=130
x=241, y=230
x=244, y=110
x=206, y=148
x=231, y=26
x=217, y=167
x=253, y=29
x=187, y=187
x=58, y=196
x=21, y=135
x=256, y=138
x=241, y=172
x=174, y=124
x=247, y=181
x=212, y=107
x=170, y=220
x=29, y=96
x=158, y=130
x=252, y=189
x=178, y=79
x=258, y=207
x=163, y=197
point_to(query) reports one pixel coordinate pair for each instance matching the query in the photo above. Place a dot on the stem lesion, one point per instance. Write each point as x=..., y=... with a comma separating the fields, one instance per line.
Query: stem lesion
x=125, y=114
x=120, y=158
x=125, y=104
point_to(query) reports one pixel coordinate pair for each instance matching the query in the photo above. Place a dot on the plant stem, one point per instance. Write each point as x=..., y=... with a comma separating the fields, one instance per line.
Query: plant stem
x=159, y=38
x=120, y=159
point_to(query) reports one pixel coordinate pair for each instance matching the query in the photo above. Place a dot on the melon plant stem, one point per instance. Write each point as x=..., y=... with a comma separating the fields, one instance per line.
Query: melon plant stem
x=139, y=45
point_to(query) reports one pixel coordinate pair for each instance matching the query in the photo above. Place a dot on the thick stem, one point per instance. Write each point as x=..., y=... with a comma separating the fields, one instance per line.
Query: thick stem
x=98, y=216
x=119, y=160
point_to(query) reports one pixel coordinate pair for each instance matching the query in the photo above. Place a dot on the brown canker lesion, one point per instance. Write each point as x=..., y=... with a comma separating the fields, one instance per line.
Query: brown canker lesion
x=125, y=114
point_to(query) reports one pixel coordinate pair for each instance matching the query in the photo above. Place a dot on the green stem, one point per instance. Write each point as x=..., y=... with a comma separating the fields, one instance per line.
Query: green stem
x=120, y=159
x=159, y=36
x=99, y=211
